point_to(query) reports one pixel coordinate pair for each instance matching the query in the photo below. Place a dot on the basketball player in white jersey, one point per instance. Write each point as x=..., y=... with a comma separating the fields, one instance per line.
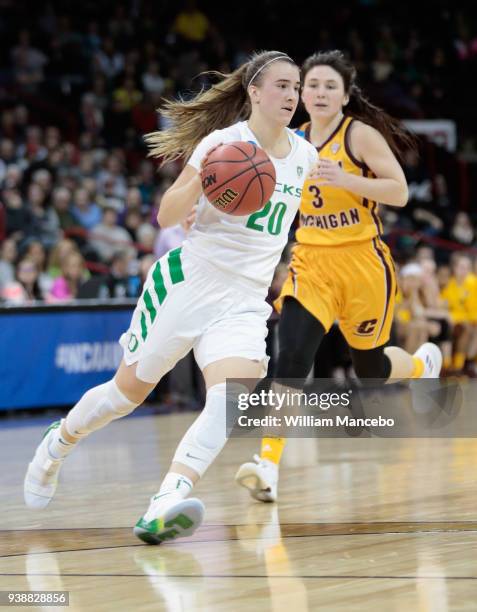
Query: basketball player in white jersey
x=208, y=296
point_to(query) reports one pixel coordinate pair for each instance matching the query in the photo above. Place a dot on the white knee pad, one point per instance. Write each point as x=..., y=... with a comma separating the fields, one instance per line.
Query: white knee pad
x=98, y=407
x=207, y=436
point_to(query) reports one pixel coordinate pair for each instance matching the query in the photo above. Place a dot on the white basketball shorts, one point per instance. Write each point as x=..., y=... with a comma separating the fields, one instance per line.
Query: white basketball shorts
x=186, y=305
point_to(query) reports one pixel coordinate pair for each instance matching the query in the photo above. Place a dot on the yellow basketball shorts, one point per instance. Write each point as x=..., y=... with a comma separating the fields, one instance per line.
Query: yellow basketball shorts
x=353, y=284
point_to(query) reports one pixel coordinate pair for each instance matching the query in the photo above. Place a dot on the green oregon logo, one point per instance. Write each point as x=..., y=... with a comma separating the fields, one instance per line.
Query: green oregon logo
x=133, y=343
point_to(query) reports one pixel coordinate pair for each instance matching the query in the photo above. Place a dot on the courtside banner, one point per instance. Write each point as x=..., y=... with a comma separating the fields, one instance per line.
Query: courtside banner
x=50, y=358
x=435, y=408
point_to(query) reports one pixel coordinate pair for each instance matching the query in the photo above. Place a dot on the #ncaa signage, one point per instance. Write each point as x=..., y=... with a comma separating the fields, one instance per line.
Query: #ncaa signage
x=51, y=356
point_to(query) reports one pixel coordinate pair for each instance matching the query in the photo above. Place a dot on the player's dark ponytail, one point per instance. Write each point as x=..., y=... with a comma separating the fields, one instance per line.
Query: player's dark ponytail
x=213, y=109
x=398, y=138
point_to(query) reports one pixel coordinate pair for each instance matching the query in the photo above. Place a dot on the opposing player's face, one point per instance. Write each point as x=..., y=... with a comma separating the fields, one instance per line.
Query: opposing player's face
x=323, y=92
x=278, y=92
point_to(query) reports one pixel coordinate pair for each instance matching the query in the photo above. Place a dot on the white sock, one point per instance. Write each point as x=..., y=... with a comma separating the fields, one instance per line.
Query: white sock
x=175, y=484
x=58, y=447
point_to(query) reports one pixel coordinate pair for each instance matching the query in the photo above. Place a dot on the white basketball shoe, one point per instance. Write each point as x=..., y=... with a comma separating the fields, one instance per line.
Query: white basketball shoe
x=168, y=517
x=431, y=356
x=260, y=478
x=41, y=478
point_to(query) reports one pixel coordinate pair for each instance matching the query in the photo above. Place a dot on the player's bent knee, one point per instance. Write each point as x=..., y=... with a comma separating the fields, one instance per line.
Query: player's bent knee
x=98, y=407
x=207, y=435
x=133, y=388
x=293, y=364
x=372, y=363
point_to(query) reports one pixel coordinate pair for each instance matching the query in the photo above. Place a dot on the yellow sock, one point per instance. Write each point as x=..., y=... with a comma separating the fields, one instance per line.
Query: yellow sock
x=272, y=449
x=458, y=361
x=447, y=363
x=418, y=370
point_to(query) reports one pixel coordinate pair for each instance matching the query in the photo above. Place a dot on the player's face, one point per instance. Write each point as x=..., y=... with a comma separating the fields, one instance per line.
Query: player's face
x=323, y=92
x=278, y=93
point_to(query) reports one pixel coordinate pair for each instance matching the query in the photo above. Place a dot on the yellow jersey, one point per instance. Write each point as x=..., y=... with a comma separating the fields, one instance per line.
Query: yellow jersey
x=461, y=299
x=331, y=216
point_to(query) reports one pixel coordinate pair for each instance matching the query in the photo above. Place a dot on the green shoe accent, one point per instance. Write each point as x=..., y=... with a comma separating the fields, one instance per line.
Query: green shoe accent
x=54, y=425
x=157, y=526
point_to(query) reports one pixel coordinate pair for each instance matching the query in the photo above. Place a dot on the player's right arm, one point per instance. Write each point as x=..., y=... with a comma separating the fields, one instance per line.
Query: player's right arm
x=179, y=199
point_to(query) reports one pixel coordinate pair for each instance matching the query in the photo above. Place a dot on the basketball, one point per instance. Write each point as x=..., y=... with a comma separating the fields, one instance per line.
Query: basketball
x=238, y=178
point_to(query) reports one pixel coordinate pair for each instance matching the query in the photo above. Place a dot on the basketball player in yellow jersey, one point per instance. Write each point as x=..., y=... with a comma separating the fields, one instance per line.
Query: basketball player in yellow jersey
x=341, y=269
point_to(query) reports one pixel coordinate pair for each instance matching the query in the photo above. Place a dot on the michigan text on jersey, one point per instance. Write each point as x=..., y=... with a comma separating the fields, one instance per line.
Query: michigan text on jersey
x=331, y=221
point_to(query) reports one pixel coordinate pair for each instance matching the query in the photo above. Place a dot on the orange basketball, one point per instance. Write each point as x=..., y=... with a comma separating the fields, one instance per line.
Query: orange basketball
x=238, y=178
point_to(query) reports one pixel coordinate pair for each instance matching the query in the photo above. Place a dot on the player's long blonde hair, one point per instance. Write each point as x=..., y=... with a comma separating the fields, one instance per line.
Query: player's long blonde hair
x=397, y=137
x=213, y=109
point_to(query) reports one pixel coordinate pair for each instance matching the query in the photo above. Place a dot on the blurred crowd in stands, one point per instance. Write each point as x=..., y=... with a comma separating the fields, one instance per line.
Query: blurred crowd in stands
x=78, y=90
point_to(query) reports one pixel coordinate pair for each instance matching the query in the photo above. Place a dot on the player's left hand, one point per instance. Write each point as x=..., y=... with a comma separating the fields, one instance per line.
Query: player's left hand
x=330, y=173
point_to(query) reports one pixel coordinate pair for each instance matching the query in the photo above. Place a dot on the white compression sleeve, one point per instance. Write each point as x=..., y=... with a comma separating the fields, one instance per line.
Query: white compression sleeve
x=206, y=437
x=98, y=407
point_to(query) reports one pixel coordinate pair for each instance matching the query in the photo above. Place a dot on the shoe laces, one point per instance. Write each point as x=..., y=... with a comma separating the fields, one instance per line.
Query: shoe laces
x=265, y=463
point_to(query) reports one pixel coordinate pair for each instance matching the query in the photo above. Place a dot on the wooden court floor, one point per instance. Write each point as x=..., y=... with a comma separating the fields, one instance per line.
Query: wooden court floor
x=361, y=524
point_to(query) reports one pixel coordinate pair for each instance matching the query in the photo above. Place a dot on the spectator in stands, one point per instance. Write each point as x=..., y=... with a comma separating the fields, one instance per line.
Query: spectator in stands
x=412, y=325
x=460, y=293
x=424, y=252
x=132, y=223
x=191, y=24
x=44, y=223
x=61, y=199
x=121, y=26
x=8, y=255
x=18, y=216
x=107, y=237
x=43, y=178
x=111, y=180
x=7, y=156
x=91, y=115
x=32, y=148
x=85, y=212
x=28, y=63
x=58, y=254
x=73, y=272
x=127, y=96
x=146, y=182
x=34, y=249
x=13, y=177
x=116, y=284
x=436, y=310
x=25, y=289
x=462, y=230
x=146, y=236
x=152, y=81
x=108, y=61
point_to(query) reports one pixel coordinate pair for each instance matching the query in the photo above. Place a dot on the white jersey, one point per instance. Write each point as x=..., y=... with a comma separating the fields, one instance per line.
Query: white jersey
x=248, y=248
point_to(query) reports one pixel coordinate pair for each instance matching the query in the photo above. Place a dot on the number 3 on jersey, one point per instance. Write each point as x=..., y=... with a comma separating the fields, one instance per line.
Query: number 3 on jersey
x=318, y=201
x=275, y=219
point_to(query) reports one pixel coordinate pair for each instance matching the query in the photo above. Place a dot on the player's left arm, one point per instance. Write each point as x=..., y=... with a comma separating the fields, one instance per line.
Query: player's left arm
x=370, y=147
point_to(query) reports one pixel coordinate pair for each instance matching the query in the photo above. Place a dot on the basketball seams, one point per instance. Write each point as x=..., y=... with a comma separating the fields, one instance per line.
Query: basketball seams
x=245, y=183
x=231, y=178
x=232, y=210
x=235, y=146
